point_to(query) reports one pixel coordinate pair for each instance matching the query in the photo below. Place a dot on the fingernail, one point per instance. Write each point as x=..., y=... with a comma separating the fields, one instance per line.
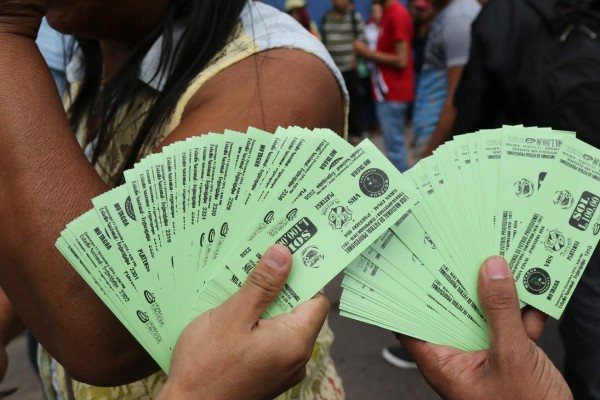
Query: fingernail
x=274, y=258
x=496, y=268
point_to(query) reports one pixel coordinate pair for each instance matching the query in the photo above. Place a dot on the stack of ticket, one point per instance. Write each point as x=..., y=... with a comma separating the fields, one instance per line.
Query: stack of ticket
x=528, y=194
x=187, y=227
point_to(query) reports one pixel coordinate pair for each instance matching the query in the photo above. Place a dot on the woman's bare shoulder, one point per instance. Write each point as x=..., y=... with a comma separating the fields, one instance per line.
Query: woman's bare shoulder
x=278, y=87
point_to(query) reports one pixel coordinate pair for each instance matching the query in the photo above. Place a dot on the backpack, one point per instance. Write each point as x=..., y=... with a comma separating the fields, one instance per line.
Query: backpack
x=559, y=78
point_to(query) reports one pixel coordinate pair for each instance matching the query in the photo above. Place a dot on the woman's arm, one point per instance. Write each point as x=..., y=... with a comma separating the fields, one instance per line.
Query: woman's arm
x=46, y=182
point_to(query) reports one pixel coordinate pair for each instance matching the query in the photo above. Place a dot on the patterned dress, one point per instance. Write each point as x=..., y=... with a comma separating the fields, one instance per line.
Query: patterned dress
x=260, y=28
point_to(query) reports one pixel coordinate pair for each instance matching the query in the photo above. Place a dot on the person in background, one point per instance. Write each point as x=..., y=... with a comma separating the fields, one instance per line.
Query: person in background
x=297, y=9
x=54, y=46
x=501, y=86
x=446, y=53
x=367, y=68
x=339, y=28
x=393, y=78
x=249, y=349
x=373, y=24
x=424, y=12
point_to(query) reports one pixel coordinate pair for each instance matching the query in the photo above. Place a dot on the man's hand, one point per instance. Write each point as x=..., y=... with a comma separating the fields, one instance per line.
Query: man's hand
x=230, y=353
x=398, y=59
x=22, y=17
x=513, y=368
x=361, y=48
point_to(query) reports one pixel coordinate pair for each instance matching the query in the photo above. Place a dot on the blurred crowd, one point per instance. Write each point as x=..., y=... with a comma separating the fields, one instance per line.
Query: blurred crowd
x=401, y=67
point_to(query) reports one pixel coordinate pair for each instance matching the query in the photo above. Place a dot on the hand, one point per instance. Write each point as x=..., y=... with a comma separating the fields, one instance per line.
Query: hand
x=361, y=48
x=22, y=17
x=230, y=353
x=513, y=368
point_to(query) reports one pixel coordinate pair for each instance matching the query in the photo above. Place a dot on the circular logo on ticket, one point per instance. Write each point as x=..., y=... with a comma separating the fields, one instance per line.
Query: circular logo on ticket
x=524, y=188
x=149, y=297
x=554, y=241
x=339, y=217
x=129, y=208
x=269, y=217
x=428, y=242
x=563, y=199
x=374, y=182
x=143, y=316
x=292, y=214
x=224, y=229
x=312, y=257
x=335, y=162
x=536, y=281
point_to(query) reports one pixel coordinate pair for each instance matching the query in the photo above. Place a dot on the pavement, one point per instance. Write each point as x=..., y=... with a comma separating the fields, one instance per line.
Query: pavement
x=356, y=352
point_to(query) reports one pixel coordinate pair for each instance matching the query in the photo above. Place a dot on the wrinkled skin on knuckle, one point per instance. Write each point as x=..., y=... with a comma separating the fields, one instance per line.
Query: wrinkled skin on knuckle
x=264, y=281
x=499, y=302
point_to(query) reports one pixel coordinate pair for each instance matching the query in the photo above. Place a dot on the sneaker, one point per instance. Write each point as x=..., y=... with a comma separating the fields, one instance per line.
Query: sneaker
x=398, y=357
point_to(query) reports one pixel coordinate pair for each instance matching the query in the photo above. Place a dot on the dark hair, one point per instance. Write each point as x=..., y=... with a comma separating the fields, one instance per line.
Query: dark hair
x=207, y=24
x=304, y=17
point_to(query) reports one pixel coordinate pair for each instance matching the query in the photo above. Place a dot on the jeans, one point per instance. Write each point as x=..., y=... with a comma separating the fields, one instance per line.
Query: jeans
x=431, y=95
x=391, y=115
x=580, y=331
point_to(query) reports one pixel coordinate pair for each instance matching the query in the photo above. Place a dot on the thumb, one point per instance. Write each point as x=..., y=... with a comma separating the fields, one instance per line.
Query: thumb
x=263, y=284
x=500, y=303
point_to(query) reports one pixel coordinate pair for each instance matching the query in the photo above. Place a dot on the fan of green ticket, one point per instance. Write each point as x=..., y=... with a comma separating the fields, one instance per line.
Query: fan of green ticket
x=528, y=194
x=190, y=223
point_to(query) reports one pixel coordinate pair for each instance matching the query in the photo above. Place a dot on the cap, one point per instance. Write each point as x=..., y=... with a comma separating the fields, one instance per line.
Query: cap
x=291, y=4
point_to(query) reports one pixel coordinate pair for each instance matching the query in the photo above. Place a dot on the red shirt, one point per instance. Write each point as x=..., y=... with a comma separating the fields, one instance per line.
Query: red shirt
x=393, y=84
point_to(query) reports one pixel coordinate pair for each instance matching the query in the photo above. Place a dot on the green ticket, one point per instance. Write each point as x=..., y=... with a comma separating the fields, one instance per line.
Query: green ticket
x=190, y=223
x=330, y=228
x=560, y=232
x=525, y=160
